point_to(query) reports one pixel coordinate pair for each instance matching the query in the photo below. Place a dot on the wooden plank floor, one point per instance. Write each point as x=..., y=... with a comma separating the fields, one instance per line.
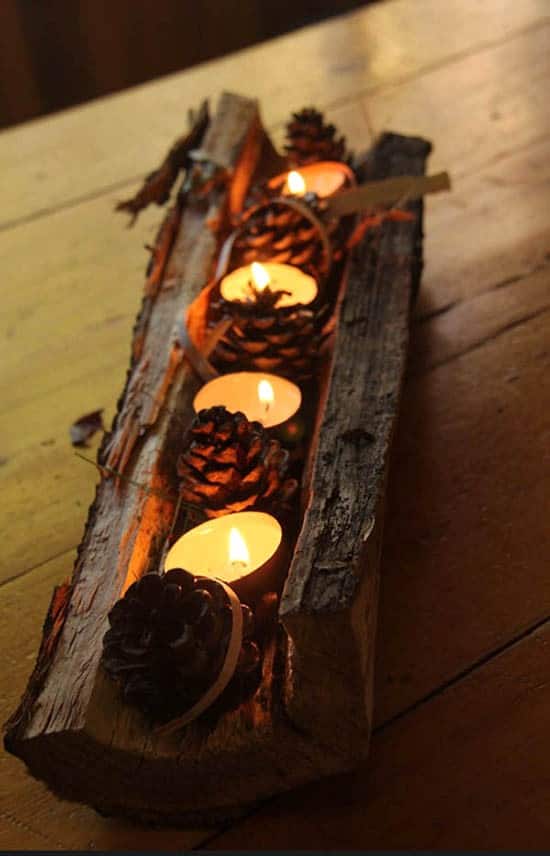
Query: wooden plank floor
x=461, y=753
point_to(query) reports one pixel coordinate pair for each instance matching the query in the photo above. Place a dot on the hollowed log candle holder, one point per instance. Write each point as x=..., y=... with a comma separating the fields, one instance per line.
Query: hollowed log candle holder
x=311, y=714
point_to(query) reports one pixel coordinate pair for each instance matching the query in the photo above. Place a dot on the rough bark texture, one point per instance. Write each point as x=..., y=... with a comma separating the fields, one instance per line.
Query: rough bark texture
x=329, y=602
x=126, y=524
x=311, y=714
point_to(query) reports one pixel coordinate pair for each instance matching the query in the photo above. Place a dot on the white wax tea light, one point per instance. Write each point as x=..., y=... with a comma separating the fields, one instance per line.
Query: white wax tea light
x=227, y=548
x=242, y=283
x=239, y=554
x=323, y=178
x=266, y=394
x=264, y=398
x=260, y=276
x=295, y=184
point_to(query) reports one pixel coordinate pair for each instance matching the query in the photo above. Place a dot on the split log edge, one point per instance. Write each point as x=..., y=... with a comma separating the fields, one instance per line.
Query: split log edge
x=313, y=712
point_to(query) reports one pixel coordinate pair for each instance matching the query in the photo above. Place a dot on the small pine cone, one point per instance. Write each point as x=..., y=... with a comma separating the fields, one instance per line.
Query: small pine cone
x=168, y=640
x=310, y=139
x=274, y=232
x=230, y=464
x=285, y=341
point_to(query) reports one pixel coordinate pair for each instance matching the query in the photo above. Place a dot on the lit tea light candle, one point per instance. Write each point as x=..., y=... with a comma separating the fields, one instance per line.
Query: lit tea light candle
x=228, y=548
x=266, y=394
x=295, y=184
x=239, y=554
x=245, y=282
x=323, y=178
x=264, y=398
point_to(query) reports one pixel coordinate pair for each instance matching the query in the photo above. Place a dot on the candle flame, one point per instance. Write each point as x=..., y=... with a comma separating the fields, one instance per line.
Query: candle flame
x=260, y=276
x=265, y=393
x=238, y=551
x=295, y=183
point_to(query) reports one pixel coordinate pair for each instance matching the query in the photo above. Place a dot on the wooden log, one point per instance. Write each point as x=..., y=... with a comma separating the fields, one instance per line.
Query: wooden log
x=312, y=712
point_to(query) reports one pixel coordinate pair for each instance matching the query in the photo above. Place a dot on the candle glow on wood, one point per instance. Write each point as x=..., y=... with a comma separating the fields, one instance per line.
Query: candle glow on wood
x=262, y=397
x=227, y=548
x=300, y=288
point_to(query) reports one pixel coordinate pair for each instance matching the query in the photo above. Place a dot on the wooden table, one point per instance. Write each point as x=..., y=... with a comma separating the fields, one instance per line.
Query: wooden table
x=461, y=755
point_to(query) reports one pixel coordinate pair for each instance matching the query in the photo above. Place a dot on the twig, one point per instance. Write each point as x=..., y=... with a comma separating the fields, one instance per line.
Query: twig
x=149, y=490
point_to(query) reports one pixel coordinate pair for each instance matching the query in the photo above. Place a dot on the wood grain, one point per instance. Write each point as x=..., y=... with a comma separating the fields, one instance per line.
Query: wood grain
x=468, y=771
x=91, y=148
x=465, y=554
x=467, y=324
x=499, y=167
x=502, y=120
x=503, y=230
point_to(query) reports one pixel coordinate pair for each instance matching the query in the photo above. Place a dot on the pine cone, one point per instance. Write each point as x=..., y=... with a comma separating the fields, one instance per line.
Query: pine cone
x=310, y=139
x=231, y=464
x=167, y=642
x=285, y=341
x=274, y=232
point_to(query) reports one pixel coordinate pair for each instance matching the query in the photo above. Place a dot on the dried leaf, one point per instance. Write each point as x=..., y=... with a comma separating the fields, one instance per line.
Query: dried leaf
x=158, y=185
x=84, y=428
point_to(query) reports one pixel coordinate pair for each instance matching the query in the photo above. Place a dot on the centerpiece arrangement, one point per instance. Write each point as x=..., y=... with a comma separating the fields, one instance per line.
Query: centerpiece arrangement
x=215, y=644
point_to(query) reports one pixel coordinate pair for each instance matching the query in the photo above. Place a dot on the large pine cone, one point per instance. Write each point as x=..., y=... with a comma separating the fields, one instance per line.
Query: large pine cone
x=275, y=232
x=168, y=640
x=310, y=139
x=231, y=464
x=284, y=341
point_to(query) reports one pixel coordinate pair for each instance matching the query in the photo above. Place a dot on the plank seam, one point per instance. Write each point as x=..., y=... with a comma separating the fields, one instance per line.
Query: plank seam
x=507, y=328
x=463, y=674
x=503, y=283
x=456, y=679
x=69, y=203
x=35, y=567
x=19, y=824
x=342, y=101
x=424, y=71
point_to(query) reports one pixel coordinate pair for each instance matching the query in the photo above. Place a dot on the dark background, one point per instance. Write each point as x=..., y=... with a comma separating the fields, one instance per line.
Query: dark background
x=56, y=53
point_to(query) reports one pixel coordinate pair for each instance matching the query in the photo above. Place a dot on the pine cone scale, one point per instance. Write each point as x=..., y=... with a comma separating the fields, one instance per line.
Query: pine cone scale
x=310, y=139
x=263, y=337
x=166, y=659
x=258, y=463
